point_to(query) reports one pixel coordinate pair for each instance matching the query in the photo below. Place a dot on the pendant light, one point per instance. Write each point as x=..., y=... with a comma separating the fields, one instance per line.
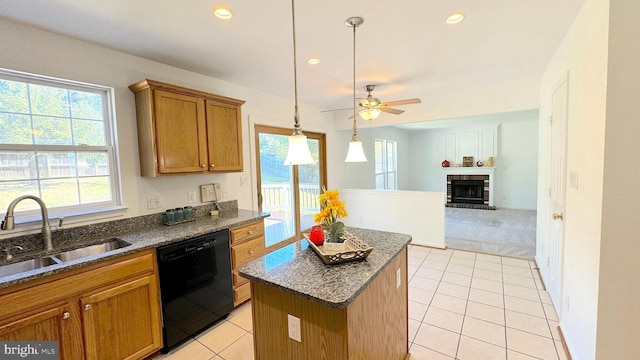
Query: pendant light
x=355, y=153
x=298, y=152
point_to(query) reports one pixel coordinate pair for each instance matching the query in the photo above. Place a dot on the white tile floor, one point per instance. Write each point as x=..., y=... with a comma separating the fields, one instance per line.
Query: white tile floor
x=466, y=305
x=462, y=305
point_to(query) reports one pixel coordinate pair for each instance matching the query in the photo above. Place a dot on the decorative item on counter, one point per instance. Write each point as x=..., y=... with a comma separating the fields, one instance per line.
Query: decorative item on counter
x=216, y=210
x=336, y=253
x=316, y=235
x=467, y=161
x=490, y=161
x=331, y=208
x=188, y=212
x=479, y=163
x=178, y=215
x=445, y=163
x=169, y=216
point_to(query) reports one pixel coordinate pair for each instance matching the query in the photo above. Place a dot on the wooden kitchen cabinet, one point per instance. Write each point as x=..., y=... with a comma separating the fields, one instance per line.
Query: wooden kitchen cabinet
x=54, y=323
x=186, y=131
x=117, y=320
x=247, y=243
x=107, y=310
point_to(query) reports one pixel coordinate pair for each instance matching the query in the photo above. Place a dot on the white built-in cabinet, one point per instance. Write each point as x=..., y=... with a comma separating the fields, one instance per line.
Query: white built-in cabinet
x=478, y=142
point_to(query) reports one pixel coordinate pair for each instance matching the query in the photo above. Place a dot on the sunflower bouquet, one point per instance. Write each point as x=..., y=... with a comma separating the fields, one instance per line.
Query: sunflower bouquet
x=331, y=208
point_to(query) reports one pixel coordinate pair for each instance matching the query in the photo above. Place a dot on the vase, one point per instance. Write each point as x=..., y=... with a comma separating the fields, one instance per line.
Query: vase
x=335, y=231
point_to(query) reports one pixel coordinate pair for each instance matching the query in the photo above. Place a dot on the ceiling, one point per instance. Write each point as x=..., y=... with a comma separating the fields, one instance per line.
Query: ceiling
x=404, y=47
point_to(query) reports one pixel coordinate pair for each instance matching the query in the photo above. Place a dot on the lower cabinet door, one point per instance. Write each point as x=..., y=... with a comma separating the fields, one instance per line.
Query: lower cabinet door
x=122, y=322
x=60, y=323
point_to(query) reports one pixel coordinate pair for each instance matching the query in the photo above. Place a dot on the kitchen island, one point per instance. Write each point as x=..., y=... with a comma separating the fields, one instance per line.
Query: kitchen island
x=355, y=310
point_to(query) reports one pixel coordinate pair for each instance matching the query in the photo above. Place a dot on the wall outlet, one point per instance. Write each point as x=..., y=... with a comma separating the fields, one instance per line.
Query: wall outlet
x=243, y=180
x=192, y=197
x=206, y=193
x=294, y=328
x=153, y=202
x=398, y=278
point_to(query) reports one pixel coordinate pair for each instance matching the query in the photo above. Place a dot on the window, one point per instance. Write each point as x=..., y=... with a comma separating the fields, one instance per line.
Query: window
x=56, y=143
x=386, y=165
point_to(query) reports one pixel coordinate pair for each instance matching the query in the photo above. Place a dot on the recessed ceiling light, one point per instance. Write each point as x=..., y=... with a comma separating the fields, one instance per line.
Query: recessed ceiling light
x=455, y=18
x=313, y=61
x=223, y=13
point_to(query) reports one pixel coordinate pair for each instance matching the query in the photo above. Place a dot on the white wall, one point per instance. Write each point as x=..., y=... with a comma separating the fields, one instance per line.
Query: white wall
x=417, y=213
x=36, y=51
x=619, y=281
x=362, y=175
x=516, y=164
x=583, y=54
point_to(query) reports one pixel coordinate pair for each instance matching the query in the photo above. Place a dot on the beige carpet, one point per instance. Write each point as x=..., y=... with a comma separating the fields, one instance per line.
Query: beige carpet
x=501, y=232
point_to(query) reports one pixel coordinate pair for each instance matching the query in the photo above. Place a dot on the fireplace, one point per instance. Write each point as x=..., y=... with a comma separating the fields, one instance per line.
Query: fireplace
x=469, y=191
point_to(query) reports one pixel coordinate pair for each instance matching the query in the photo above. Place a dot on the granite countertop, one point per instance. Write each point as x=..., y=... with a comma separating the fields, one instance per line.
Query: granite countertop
x=141, y=239
x=297, y=269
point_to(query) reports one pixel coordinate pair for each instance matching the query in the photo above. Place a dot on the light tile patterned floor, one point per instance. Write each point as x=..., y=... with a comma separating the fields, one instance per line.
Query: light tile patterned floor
x=229, y=339
x=466, y=305
x=462, y=305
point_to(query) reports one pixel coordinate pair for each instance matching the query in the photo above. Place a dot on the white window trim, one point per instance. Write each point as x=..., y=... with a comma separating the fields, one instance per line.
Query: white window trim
x=385, y=173
x=28, y=221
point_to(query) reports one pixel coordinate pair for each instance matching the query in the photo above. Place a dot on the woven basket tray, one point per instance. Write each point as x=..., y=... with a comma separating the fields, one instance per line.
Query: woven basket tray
x=335, y=253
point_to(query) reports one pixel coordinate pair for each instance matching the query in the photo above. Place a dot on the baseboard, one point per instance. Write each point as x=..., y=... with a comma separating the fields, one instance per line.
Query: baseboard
x=537, y=268
x=564, y=344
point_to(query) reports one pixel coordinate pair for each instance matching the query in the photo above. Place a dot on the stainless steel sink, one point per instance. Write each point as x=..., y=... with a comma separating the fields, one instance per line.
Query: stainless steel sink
x=16, y=268
x=89, y=250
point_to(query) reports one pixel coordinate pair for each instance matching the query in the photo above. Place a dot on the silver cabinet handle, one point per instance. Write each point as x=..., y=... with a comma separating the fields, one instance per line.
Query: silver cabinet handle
x=203, y=166
x=250, y=232
x=87, y=306
x=66, y=315
x=212, y=166
x=250, y=252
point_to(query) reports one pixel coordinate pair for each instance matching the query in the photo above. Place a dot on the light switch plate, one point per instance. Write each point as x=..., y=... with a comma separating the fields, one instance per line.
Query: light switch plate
x=207, y=193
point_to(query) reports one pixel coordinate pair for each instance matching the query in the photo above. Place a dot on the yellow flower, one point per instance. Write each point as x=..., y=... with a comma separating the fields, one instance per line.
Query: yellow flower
x=331, y=208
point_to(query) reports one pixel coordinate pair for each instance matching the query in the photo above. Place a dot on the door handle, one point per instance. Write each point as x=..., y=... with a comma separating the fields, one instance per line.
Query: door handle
x=558, y=216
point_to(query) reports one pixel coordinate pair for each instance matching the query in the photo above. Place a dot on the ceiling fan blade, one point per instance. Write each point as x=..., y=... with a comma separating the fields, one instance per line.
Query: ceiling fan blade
x=337, y=109
x=392, y=111
x=403, y=102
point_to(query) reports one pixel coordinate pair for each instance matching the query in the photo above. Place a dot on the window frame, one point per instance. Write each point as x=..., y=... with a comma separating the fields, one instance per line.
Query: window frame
x=80, y=212
x=385, y=163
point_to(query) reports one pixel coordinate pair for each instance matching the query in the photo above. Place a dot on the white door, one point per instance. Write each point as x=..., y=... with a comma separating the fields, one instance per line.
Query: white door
x=557, y=193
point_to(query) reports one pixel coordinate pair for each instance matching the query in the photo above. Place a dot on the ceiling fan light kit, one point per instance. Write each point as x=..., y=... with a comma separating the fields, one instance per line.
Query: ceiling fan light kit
x=298, y=151
x=355, y=152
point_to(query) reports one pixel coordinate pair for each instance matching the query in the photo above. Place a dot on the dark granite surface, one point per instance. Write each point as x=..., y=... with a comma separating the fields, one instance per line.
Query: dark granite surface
x=297, y=269
x=152, y=235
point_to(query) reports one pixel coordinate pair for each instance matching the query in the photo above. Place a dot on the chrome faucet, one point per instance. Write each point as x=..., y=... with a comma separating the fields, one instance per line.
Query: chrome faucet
x=8, y=223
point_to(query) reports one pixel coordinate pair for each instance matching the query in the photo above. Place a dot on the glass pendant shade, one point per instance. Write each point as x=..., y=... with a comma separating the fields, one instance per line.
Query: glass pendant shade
x=298, y=153
x=355, y=153
x=370, y=114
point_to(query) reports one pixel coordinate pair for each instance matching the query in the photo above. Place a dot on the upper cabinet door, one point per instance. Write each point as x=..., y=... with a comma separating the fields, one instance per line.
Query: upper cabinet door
x=183, y=131
x=224, y=131
x=181, y=137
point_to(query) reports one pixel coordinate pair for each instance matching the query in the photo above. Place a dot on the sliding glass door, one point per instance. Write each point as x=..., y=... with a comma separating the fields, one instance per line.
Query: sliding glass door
x=289, y=193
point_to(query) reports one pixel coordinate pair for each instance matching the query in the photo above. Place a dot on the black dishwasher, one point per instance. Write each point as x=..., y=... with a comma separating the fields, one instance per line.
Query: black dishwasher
x=195, y=285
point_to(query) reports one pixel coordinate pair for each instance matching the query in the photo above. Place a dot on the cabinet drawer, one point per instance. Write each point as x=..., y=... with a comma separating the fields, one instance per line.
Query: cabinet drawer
x=241, y=294
x=237, y=279
x=247, y=232
x=247, y=251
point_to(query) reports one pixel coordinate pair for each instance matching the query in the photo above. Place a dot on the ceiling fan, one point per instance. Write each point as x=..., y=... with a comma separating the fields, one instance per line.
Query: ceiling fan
x=370, y=107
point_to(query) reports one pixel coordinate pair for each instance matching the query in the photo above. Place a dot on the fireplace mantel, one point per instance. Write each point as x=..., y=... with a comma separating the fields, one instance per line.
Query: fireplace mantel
x=484, y=170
